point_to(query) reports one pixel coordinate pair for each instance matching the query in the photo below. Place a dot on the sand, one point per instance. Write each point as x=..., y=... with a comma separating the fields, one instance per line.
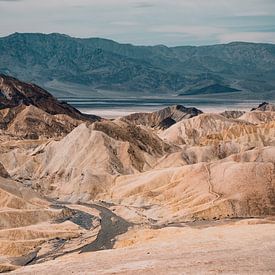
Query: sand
x=234, y=248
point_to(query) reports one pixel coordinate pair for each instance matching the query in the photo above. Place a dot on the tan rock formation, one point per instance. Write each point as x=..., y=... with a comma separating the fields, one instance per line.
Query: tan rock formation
x=26, y=222
x=238, y=248
x=164, y=118
x=265, y=106
x=88, y=159
x=241, y=186
x=30, y=122
x=191, y=131
x=15, y=93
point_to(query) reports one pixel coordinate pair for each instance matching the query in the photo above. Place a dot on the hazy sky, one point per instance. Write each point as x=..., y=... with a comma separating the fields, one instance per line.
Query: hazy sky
x=148, y=22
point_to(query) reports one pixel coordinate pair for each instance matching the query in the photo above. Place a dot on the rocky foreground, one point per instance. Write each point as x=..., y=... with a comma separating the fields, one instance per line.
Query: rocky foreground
x=174, y=191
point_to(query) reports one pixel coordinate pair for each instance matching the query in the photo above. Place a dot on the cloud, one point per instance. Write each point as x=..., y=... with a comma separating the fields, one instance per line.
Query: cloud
x=253, y=13
x=125, y=23
x=173, y=22
x=144, y=5
x=259, y=37
x=198, y=31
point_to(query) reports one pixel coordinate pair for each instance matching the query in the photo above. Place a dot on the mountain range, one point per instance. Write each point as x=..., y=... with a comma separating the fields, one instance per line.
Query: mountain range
x=90, y=67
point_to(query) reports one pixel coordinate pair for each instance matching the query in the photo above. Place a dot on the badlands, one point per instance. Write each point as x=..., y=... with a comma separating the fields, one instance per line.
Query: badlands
x=176, y=191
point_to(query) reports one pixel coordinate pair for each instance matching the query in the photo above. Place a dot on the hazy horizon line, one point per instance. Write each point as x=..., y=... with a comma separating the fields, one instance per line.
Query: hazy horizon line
x=133, y=44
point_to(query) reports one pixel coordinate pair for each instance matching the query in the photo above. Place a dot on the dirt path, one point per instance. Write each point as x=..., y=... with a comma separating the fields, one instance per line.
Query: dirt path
x=111, y=226
x=210, y=185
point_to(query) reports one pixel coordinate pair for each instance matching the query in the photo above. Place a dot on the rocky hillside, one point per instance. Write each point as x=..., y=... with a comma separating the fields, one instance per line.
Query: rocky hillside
x=54, y=60
x=27, y=221
x=14, y=92
x=163, y=118
x=29, y=111
x=265, y=107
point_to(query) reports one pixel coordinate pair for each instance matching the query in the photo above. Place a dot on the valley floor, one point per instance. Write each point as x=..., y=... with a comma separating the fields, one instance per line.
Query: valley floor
x=232, y=247
x=113, y=108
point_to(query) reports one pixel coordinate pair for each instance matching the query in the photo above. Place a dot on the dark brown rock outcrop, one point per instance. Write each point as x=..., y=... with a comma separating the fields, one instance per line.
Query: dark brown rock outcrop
x=14, y=93
x=3, y=172
x=265, y=106
x=232, y=114
x=163, y=118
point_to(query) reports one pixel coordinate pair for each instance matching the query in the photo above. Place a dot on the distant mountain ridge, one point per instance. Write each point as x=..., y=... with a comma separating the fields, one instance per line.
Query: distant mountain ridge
x=52, y=60
x=211, y=89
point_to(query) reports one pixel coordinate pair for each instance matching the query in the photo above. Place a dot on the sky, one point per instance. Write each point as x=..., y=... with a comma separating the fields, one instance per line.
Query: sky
x=145, y=22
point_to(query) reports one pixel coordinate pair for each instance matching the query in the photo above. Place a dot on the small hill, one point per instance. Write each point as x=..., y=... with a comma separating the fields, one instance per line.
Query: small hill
x=28, y=111
x=26, y=222
x=30, y=122
x=86, y=161
x=163, y=118
x=14, y=93
x=257, y=117
x=211, y=89
x=191, y=131
x=232, y=114
x=265, y=106
x=233, y=187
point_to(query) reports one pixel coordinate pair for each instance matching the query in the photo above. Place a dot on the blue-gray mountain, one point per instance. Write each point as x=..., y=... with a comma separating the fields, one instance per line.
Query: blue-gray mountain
x=58, y=61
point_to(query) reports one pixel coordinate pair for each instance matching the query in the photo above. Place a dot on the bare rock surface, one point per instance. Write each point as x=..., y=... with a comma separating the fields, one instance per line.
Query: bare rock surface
x=232, y=248
x=89, y=158
x=233, y=187
x=3, y=172
x=191, y=131
x=164, y=118
x=13, y=93
x=232, y=114
x=27, y=221
x=257, y=117
x=265, y=106
x=28, y=111
x=30, y=122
